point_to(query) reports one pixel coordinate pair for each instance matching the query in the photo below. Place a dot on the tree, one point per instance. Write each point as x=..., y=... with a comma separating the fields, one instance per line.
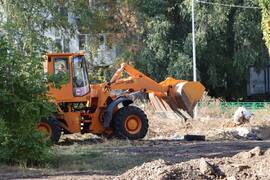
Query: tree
x=265, y=6
x=164, y=26
x=23, y=99
x=227, y=46
x=229, y=41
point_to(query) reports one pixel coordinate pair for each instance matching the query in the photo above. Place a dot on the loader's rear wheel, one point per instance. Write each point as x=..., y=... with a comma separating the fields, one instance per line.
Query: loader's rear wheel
x=130, y=122
x=50, y=128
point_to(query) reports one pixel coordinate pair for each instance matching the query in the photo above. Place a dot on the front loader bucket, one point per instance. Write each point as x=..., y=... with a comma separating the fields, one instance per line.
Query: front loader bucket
x=181, y=98
x=187, y=94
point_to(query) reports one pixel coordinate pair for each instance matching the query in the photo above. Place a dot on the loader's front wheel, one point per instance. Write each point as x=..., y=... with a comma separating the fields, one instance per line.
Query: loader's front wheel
x=130, y=122
x=50, y=128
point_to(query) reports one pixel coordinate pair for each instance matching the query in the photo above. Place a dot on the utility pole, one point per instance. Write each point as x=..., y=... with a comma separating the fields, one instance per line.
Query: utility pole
x=194, y=42
x=195, y=112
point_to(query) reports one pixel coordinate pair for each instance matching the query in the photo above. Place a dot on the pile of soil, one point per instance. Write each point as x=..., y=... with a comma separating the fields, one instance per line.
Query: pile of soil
x=253, y=164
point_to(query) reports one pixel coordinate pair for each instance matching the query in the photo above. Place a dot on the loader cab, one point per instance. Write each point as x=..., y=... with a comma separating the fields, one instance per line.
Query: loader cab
x=69, y=71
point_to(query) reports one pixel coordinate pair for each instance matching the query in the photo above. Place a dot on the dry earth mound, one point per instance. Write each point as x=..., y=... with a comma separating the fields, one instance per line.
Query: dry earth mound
x=253, y=164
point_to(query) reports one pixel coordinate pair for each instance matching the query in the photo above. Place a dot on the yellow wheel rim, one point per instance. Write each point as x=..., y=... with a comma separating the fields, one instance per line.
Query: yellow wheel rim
x=45, y=129
x=133, y=124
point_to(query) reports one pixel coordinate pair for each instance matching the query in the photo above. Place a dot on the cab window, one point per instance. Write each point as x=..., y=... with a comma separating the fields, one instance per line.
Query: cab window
x=61, y=69
x=79, y=77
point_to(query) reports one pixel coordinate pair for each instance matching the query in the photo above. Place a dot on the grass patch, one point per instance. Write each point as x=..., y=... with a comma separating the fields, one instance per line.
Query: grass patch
x=102, y=158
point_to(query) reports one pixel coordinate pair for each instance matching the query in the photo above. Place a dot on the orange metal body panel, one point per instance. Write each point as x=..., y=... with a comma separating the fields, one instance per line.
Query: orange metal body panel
x=96, y=126
x=73, y=120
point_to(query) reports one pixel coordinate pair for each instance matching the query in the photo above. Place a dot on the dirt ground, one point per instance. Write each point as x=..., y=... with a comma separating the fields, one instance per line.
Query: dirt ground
x=163, y=154
x=88, y=159
x=214, y=128
x=253, y=164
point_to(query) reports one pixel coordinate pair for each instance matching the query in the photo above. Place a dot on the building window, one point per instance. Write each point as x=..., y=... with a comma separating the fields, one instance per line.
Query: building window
x=66, y=45
x=58, y=44
x=82, y=41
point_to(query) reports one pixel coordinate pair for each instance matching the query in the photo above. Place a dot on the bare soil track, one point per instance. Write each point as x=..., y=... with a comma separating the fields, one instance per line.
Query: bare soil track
x=177, y=151
x=123, y=155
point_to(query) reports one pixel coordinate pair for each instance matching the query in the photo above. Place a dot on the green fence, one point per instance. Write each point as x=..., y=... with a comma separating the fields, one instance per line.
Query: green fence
x=225, y=106
x=249, y=105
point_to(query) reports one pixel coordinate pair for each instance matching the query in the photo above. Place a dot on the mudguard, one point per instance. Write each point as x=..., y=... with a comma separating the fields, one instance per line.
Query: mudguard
x=108, y=112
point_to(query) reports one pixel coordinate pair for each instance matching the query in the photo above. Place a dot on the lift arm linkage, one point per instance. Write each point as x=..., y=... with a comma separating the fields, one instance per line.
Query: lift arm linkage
x=136, y=81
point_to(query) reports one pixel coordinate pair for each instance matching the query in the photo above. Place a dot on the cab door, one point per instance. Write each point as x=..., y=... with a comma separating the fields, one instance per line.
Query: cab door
x=80, y=82
x=60, y=68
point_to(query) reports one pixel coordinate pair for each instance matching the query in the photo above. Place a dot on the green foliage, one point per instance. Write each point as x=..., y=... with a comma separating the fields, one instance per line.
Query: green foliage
x=181, y=67
x=265, y=24
x=227, y=46
x=159, y=47
x=23, y=102
x=58, y=80
x=228, y=42
x=23, y=90
x=100, y=74
x=26, y=148
x=163, y=33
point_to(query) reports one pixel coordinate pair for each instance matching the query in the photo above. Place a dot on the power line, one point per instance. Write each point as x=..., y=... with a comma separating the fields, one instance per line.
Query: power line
x=228, y=5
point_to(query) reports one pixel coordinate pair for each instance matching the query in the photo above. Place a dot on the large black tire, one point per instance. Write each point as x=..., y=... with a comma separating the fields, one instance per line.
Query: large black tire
x=189, y=137
x=51, y=128
x=125, y=118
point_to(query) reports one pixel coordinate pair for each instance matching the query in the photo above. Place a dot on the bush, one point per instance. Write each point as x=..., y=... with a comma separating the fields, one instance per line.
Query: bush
x=23, y=102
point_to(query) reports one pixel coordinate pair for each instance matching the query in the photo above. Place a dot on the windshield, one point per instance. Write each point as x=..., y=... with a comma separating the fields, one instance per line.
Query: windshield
x=80, y=78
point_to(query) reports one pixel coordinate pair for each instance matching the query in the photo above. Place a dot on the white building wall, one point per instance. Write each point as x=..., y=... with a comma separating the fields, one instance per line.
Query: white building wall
x=105, y=56
x=259, y=82
x=74, y=44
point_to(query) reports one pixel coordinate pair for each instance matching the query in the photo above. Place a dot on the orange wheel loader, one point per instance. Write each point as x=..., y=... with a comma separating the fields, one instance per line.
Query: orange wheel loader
x=106, y=108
